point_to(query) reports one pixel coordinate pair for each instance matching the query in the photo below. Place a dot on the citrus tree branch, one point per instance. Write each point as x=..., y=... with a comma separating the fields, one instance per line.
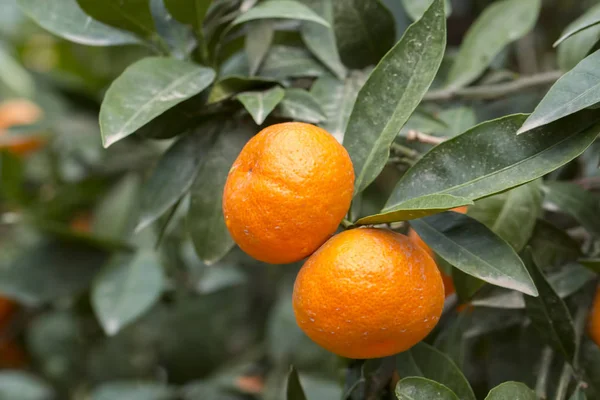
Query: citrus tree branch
x=494, y=91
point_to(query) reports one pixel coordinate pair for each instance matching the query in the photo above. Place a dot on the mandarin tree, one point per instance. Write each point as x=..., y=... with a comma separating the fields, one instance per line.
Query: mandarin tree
x=299, y=199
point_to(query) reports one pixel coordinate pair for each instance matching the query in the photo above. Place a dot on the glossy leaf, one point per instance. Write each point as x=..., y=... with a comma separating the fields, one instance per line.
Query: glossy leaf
x=131, y=15
x=179, y=37
x=511, y=391
x=258, y=41
x=337, y=99
x=294, y=389
x=392, y=92
x=552, y=246
x=416, y=8
x=515, y=160
x=576, y=201
x=126, y=289
x=147, y=89
x=261, y=104
x=364, y=31
x=416, y=208
x=590, y=18
x=501, y=23
x=574, y=49
x=23, y=386
x=548, y=313
x=471, y=247
x=420, y=388
x=298, y=104
x=511, y=215
x=190, y=12
x=205, y=216
x=320, y=40
x=280, y=9
x=173, y=176
x=229, y=86
x=65, y=18
x=132, y=391
x=283, y=62
x=428, y=362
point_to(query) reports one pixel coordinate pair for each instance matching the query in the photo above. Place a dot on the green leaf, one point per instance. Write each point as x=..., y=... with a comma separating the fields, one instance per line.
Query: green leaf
x=416, y=8
x=179, y=37
x=590, y=18
x=498, y=158
x=147, y=89
x=12, y=174
x=574, y=91
x=61, y=269
x=298, y=104
x=231, y=85
x=458, y=120
x=511, y=215
x=294, y=389
x=551, y=246
x=471, y=247
x=126, y=289
x=337, y=99
x=416, y=208
x=258, y=41
x=320, y=40
x=191, y=12
x=592, y=264
x=577, y=47
x=133, y=390
x=548, y=313
x=283, y=62
x=364, y=31
x=14, y=75
x=65, y=18
x=131, y=15
x=414, y=388
x=261, y=104
x=23, y=386
x=287, y=9
x=392, y=92
x=205, y=216
x=428, y=362
x=578, y=394
x=501, y=23
x=511, y=391
x=173, y=176
x=114, y=217
x=576, y=201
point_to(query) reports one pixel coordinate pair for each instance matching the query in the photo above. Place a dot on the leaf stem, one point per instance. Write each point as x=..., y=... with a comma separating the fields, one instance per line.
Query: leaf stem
x=542, y=381
x=413, y=135
x=489, y=92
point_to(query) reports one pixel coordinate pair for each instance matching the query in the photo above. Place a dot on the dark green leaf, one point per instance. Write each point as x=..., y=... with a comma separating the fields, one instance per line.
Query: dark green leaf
x=591, y=263
x=420, y=388
x=364, y=31
x=466, y=285
x=173, y=176
x=298, y=104
x=486, y=320
x=428, y=362
x=115, y=216
x=283, y=62
x=260, y=104
x=576, y=201
x=147, y=89
x=548, y=312
x=258, y=41
x=321, y=39
x=579, y=394
x=416, y=8
x=231, y=85
x=12, y=176
x=551, y=246
x=60, y=269
x=190, y=12
x=280, y=9
x=577, y=47
x=131, y=15
x=65, y=18
x=458, y=120
x=498, y=158
x=23, y=386
x=501, y=23
x=179, y=37
x=511, y=215
x=337, y=99
x=392, y=92
x=294, y=388
x=471, y=247
x=511, y=391
x=587, y=20
x=416, y=208
x=126, y=289
x=132, y=391
x=205, y=217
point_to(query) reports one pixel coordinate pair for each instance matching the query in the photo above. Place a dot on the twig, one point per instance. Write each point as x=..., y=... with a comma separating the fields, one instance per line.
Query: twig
x=542, y=381
x=488, y=92
x=563, y=382
x=403, y=151
x=417, y=136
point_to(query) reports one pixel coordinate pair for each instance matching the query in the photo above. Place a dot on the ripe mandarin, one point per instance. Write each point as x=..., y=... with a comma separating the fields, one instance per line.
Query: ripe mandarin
x=594, y=321
x=19, y=112
x=414, y=236
x=287, y=192
x=368, y=293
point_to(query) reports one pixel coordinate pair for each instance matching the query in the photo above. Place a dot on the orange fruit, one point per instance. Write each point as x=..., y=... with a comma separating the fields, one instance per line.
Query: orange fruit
x=82, y=223
x=368, y=293
x=594, y=321
x=19, y=112
x=448, y=283
x=287, y=192
x=7, y=309
x=12, y=355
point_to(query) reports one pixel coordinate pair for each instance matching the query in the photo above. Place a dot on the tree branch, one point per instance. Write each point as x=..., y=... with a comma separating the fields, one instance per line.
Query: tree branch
x=413, y=135
x=488, y=92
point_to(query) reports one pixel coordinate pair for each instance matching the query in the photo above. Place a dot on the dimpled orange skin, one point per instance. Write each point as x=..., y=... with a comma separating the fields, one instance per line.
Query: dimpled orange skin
x=19, y=112
x=368, y=293
x=287, y=192
x=594, y=321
